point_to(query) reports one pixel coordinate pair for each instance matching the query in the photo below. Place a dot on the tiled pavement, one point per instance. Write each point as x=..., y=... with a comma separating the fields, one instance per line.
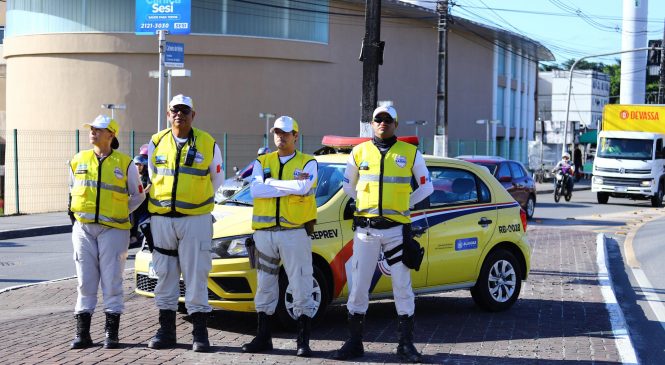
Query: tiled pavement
x=560, y=318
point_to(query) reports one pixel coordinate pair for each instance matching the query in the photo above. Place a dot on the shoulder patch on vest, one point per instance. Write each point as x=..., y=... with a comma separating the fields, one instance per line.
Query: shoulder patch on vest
x=199, y=157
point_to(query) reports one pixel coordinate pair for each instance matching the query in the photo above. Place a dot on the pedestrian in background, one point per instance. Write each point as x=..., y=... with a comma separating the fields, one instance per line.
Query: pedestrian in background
x=104, y=189
x=283, y=187
x=141, y=213
x=378, y=176
x=577, y=162
x=185, y=166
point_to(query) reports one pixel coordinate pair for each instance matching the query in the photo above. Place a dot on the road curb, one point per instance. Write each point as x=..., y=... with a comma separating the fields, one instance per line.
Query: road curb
x=35, y=231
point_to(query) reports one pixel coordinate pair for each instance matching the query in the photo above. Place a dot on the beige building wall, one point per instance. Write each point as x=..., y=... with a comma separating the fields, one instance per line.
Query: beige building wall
x=57, y=82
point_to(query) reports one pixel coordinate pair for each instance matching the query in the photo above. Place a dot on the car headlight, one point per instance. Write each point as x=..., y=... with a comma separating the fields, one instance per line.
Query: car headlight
x=229, y=247
x=597, y=180
x=647, y=183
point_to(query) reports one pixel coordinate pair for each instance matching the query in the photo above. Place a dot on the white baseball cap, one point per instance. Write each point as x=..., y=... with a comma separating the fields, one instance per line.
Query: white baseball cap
x=103, y=121
x=385, y=109
x=285, y=123
x=181, y=100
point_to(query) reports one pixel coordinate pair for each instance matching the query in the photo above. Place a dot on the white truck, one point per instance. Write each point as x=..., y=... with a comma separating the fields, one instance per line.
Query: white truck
x=630, y=161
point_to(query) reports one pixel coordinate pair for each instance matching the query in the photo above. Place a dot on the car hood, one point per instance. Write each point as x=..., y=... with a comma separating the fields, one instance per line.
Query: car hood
x=231, y=221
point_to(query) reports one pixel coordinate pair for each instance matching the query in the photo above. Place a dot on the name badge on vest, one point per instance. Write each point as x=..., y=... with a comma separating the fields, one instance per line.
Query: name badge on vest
x=400, y=161
x=160, y=160
x=118, y=173
x=364, y=165
x=81, y=168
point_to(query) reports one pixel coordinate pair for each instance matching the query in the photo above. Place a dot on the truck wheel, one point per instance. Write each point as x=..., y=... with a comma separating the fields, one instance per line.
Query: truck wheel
x=602, y=198
x=657, y=200
x=320, y=293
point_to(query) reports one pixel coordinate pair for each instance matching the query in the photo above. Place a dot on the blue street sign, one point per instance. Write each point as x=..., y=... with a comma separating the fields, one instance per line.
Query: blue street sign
x=171, y=15
x=174, y=55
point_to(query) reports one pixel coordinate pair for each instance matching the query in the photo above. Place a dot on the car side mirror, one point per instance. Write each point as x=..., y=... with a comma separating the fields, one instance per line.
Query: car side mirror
x=505, y=179
x=349, y=209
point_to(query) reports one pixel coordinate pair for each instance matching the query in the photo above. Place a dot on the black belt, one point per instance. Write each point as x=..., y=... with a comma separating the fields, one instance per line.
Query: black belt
x=375, y=222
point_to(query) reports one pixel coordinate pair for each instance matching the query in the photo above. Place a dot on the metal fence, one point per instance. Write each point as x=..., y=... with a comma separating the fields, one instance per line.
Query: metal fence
x=36, y=173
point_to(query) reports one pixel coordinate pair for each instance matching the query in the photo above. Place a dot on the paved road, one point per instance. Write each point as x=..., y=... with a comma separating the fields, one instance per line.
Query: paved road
x=560, y=318
x=34, y=259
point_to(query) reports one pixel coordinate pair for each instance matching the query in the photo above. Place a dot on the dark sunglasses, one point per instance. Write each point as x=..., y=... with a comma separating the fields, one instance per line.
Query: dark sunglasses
x=183, y=110
x=387, y=120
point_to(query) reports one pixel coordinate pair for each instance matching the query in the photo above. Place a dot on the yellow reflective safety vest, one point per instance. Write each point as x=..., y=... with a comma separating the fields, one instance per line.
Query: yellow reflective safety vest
x=99, y=190
x=291, y=211
x=384, y=182
x=178, y=188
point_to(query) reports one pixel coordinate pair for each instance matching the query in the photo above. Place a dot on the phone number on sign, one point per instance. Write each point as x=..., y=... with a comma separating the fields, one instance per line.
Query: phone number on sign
x=155, y=25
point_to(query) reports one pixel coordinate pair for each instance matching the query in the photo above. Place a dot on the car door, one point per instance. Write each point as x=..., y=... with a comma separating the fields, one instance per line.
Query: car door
x=520, y=183
x=461, y=222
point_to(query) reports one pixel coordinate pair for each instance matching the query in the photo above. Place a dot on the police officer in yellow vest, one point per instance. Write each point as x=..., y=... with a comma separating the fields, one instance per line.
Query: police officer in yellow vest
x=104, y=189
x=185, y=167
x=378, y=175
x=283, y=187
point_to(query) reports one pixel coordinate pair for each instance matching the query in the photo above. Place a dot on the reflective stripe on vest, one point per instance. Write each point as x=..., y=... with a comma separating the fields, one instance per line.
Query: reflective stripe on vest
x=99, y=190
x=177, y=187
x=384, y=181
x=293, y=210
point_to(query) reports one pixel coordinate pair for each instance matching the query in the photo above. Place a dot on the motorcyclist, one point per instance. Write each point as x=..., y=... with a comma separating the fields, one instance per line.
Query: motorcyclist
x=141, y=213
x=567, y=169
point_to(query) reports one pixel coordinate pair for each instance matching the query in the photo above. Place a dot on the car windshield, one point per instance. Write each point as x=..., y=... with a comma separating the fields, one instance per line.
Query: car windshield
x=330, y=181
x=630, y=149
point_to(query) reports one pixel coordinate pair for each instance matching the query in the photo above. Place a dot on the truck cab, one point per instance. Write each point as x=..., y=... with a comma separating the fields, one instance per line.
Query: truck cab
x=629, y=160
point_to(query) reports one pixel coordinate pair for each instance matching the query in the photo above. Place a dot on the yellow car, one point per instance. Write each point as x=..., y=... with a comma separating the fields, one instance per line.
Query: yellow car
x=474, y=238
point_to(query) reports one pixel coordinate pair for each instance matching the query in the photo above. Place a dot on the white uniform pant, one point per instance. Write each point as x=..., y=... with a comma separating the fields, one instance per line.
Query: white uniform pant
x=294, y=248
x=191, y=236
x=367, y=246
x=100, y=253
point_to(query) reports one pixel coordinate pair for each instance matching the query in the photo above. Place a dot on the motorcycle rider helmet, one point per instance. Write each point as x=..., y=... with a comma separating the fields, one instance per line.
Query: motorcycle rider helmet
x=565, y=155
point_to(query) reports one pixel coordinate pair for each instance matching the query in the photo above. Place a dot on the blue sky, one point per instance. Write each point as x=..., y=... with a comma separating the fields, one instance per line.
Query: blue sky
x=569, y=28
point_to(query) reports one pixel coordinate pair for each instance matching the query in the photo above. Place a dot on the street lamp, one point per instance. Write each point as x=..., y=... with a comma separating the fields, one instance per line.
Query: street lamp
x=113, y=107
x=267, y=116
x=487, y=123
x=416, y=123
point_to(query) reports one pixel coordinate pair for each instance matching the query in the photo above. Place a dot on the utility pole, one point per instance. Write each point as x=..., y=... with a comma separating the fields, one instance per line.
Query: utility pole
x=371, y=56
x=441, y=128
x=661, y=80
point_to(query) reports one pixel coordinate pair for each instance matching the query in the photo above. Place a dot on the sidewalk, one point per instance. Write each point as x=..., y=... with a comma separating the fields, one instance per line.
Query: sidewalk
x=28, y=225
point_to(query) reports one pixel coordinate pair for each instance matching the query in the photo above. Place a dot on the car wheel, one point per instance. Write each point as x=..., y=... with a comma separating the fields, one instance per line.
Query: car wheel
x=320, y=293
x=530, y=206
x=499, y=282
x=657, y=200
x=602, y=198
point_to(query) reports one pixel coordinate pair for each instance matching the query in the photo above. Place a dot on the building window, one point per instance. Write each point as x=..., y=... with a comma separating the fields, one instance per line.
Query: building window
x=501, y=58
x=284, y=19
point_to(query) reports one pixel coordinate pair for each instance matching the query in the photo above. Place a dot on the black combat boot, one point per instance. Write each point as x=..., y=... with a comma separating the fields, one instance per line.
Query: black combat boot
x=111, y=328
x=405, y=349
x=304, y=328
x=200, y=332
x=82, y=339
x=165, y=336
x=263, y=340
x=353, y=347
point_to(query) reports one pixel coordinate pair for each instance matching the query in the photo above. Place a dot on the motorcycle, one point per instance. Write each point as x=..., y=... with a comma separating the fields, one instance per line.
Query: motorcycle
x=561, y=184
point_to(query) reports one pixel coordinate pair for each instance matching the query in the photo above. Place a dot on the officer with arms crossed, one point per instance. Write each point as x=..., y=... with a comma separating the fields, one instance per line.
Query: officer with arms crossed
x=104, y=189
x=185, y=167
x=378, y=175
x=283, y=187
